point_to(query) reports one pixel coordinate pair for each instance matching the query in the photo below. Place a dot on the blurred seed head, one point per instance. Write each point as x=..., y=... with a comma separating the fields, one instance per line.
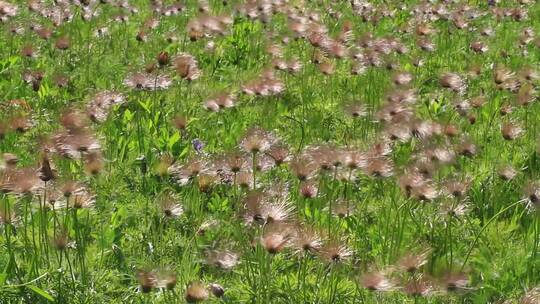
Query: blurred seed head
x=257, y=140
x=412, y=262
x=511, y=131
x=455, y=282
x=224, y=259
x=507, y=172
x=453, y=82
x=376, y=281
x=418, y=287
x=169, y=206
x=276, y=237
x=217, y=290
x=532, y=296
x=196, y=292
x=62, y=43
x=335, y=251
x=147, y=280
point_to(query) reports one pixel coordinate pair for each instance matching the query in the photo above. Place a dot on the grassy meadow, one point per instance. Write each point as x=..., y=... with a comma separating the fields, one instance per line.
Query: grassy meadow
x=269, y=151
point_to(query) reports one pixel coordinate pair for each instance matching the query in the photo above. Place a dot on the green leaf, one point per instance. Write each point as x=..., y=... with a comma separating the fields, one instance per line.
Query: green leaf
x=118, y=217
x=173, y=139
x=107, y=237
x=13, y=60
x=42, y=293
x=3, y=277
x=307, y=211
x=145, y=106
x=8, y=62
x=44, y=91
x=184, y=151
x=128, y=116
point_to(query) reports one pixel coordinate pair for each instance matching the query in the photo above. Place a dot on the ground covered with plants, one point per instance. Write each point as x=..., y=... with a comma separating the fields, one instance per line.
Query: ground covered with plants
x=269, y=151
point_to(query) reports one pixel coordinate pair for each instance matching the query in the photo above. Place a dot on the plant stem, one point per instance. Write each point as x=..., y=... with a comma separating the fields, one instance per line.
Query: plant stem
x=484, y=228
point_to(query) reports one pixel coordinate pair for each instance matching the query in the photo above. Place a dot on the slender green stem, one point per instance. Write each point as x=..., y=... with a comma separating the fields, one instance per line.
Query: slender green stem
x=484, y=228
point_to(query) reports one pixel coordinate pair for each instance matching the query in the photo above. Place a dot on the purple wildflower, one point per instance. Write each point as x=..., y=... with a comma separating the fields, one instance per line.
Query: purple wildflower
x=198, y=145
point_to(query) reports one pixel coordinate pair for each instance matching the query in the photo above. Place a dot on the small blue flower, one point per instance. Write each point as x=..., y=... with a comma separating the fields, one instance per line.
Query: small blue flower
x=198, y=145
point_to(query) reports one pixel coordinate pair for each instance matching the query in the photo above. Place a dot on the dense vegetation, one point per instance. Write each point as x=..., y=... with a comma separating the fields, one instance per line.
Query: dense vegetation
x=269, y=151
